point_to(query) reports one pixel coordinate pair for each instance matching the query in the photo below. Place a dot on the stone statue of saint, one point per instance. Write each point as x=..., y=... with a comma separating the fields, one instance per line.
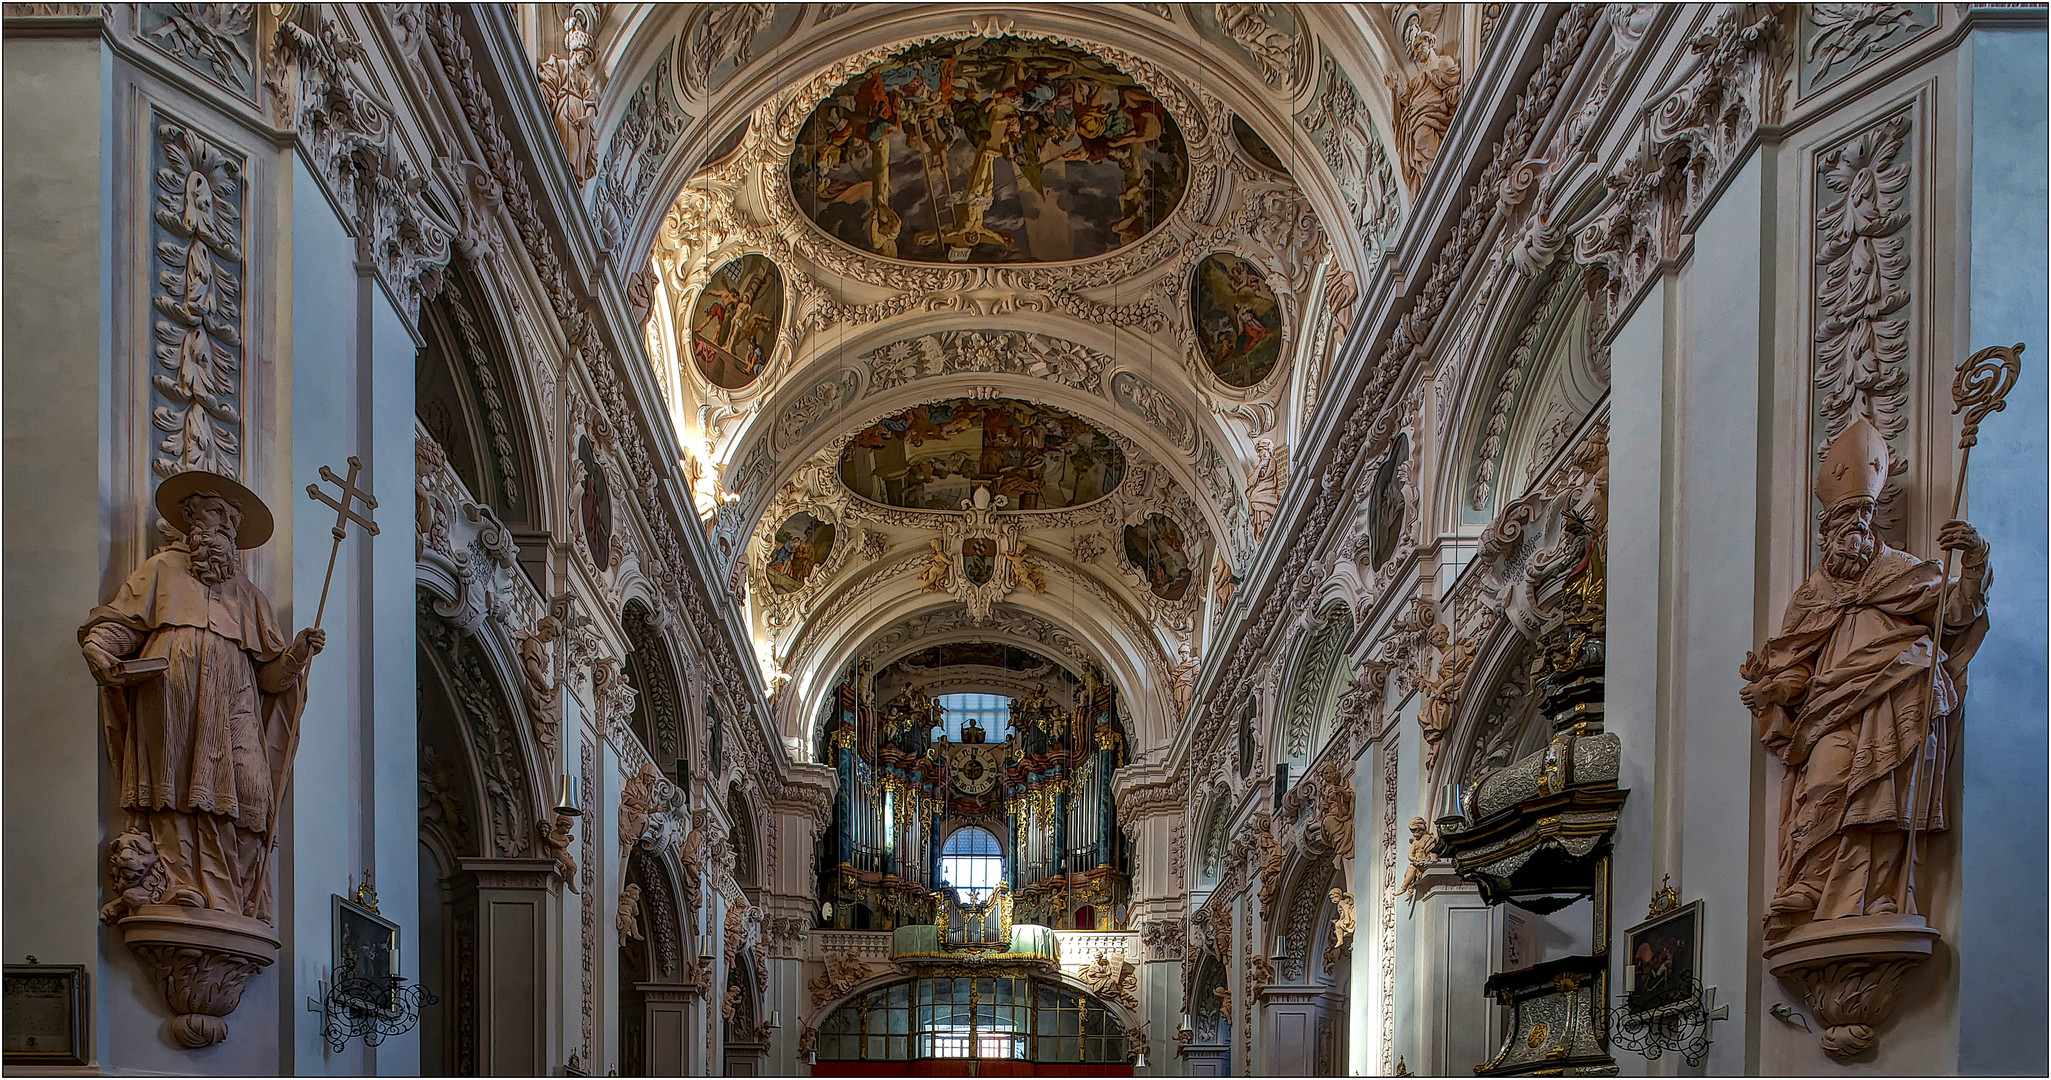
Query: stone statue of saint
x=1424, y=103
x=1843, y=696
x=200, y=699
x=571, y=87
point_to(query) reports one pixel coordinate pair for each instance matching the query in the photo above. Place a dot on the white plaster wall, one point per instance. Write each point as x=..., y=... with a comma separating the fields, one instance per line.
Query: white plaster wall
x=1639, y=460
x=321, y=825
x=2002, y=991
x=58, y=125
x=1725, y=341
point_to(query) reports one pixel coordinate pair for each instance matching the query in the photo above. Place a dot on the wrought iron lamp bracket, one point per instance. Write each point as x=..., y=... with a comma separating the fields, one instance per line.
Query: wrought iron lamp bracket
x=350, y=1010
x=1681, y=1027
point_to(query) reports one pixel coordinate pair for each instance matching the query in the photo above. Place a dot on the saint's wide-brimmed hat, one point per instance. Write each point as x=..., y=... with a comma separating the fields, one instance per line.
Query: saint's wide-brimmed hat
x=256, y=517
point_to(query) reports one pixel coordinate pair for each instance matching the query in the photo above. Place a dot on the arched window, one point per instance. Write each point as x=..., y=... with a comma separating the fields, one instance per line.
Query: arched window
x=972, y=861
x=990, y=712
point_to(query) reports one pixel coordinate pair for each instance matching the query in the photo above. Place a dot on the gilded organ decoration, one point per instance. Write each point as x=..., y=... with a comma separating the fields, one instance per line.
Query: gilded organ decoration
x=935, y=456
x=1238, y=320
x=989, y=150
x=736, y=321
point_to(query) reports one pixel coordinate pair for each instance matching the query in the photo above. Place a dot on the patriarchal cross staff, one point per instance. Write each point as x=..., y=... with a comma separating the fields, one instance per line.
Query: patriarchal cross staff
x=344, y=514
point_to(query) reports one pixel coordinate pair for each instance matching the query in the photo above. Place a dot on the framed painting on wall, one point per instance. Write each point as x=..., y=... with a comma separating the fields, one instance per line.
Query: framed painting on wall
x=1665, y=955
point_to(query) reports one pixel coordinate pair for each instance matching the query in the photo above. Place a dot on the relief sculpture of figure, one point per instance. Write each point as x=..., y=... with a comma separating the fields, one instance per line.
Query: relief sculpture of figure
x=1843, y=696
x=200, y=699
x=571, y=87
x=1424, y=103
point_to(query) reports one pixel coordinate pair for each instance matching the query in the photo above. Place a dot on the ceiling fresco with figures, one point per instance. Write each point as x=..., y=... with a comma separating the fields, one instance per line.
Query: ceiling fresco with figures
x=935, y=457
x=989, y=150
x=1003, y=325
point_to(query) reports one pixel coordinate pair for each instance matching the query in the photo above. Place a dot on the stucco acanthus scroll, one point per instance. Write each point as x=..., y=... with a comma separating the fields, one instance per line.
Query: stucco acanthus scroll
x=348, y=131
x=197, y=399
x=726, y=33
x=1863, y=300
x=1356, y=156
x=1738, y=83
x=213, y=39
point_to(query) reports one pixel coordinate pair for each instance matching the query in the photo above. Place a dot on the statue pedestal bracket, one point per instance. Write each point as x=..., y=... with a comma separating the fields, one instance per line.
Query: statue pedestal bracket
x=1849, y=971
x=204, y=960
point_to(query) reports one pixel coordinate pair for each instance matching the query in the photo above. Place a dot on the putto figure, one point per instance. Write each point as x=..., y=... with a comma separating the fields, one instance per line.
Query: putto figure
x=200, y=699
x=1843, y=697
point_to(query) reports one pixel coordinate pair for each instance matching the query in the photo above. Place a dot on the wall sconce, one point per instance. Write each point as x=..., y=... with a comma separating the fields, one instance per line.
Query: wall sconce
x=567, y=799
x=776, y=1018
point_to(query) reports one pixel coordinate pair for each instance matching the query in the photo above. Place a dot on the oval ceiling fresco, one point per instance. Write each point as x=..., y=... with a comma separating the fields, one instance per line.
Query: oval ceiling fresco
x=1238, y=321
x=989, y=150
x=1155, y=546
x=801, y=544
x=933, y=456
x=735, y=321
x=1256, y=147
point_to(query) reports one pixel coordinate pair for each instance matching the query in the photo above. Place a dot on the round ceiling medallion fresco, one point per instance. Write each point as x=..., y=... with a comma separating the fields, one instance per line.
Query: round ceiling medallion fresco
x=934, y=456
x=1238, y=321
x=989, y=150
x=735, y=321
x=1156, y=547
x=801, y=544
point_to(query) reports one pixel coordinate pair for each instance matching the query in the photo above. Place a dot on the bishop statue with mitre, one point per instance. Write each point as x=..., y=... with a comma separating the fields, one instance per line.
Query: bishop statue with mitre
x=201, y=698
x=1843, y=695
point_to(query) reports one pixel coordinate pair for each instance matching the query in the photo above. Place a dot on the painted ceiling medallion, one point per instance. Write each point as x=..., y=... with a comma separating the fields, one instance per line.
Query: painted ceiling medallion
x=801, y=544
x=1256, y=147
x=735, y=322
x=989, y=150
x=1157, y=548
x=1238, y=321
x=935, y=456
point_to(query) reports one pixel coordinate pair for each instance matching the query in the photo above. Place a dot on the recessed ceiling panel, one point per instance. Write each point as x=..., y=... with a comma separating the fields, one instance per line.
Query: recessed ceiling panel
x=989, y=150
x=934, y=456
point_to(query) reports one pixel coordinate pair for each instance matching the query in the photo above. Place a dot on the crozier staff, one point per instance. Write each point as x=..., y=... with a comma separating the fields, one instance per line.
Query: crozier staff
x=201, y=698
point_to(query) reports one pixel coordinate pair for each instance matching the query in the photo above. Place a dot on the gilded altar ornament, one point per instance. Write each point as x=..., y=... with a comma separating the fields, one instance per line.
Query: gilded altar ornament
x=1861, y=702
x=200, y=702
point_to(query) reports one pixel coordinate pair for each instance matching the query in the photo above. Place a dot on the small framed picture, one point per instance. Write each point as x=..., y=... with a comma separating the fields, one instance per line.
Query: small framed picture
x=1664, y=960
x=45, y=1010
x=366, y=948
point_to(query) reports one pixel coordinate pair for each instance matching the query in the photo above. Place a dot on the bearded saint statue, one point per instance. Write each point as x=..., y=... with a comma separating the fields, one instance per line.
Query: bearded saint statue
x=200, y=698
x=1844, y=696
